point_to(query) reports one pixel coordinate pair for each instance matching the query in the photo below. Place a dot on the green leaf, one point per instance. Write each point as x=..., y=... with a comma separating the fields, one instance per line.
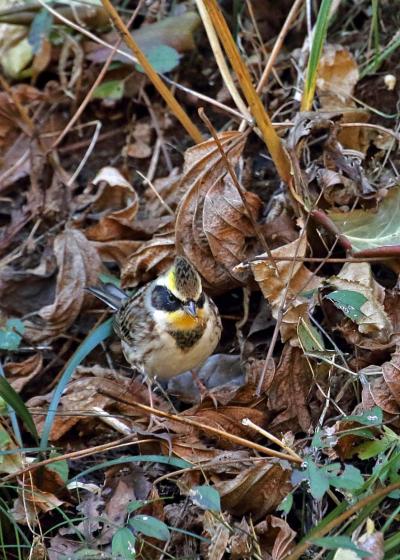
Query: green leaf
x=17, y=404
x=370, y=449
x=10, y=335
x=16, y=58
x=370, y=417
x=123, y=544
x=40, y=29
x=150, y=526
x=310, y=339
x=162, y=57
x=286, y=504
x=333, y=543
x=368, y=229
x=206, y=497
x=317, y=478
x=349, y=302
x=60, y=467
x=350, y=479
x=102, y=332
x=113, y=89
x=135, y=505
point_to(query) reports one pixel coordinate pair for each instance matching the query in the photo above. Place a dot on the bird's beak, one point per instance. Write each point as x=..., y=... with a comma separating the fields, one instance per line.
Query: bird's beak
x=190, y=309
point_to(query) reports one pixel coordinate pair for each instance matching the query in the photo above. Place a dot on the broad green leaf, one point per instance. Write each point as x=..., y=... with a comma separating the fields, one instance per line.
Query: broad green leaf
x=367, y=229
x=317, y=478
x=349, y=302
x=135, y=505
x=370, y=417
x=60, y=467
x=350, y=479
x=341, y=541
x=286, y=504
x=16, y=58
x=40, y=29
x=95, y=337
x=10, y=335
x=150, y=526
x=17, y=404
x=206, y=497
x=162, y=57
x=370, y=449
x=310, y=339
x=123, y=544
x=113, y=89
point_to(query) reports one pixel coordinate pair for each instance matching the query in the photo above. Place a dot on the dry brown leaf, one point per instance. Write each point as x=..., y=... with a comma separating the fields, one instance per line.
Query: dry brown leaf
x=20, y=373
x=256, y=490
x=273, y=285
x=78, y=266
x=337, y=77
x=212, y=228
x=229, y=419
x=117, y=202
x=275, y=537
x=289, y=391
x=116, y=251
x=151, y=259
x=26, y=291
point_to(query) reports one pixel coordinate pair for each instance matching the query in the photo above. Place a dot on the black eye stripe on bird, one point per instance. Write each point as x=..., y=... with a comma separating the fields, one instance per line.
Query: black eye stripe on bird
x=164, y=300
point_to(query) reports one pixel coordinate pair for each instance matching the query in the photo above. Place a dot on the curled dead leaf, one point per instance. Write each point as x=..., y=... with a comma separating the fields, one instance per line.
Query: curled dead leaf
x=273, y=282
x=115, y=194
x=149, y=260
x=256, y=490
x=78, y=266
x=289, y=392
x=20, y=373
x=212, y=226
x=337, y=77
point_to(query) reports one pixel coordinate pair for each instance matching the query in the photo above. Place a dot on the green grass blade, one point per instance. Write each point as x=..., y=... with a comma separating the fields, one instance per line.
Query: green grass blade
x=17, y=404
x=178, y=463
x=102, y=332
x=321, y=28
x=13, y=416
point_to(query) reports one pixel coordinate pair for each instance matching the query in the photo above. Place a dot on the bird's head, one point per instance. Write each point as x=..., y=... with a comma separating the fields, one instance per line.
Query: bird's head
x=179, y=294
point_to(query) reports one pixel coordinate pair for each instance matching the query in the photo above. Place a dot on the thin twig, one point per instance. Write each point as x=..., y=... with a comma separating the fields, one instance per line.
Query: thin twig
x=123, y=397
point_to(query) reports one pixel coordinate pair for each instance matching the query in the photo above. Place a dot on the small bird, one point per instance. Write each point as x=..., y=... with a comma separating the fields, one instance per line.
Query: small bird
x=167, y=327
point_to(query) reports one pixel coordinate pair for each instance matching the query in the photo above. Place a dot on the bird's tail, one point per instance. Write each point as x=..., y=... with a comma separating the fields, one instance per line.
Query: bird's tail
x=110, y=294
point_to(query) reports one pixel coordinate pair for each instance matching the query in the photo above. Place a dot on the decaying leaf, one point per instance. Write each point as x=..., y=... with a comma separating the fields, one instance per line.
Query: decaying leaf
x=369, y=229
x=20, y=373
x=288, y=393
x=150, y=259
x=273, y=282
x=117, y=204
x=212, y=228
x=256, y=490
x=78, y=266
x=337, y=76
x=373, y=320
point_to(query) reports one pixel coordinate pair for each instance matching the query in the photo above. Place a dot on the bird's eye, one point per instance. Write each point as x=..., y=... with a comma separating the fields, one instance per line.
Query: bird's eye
x=171, y=298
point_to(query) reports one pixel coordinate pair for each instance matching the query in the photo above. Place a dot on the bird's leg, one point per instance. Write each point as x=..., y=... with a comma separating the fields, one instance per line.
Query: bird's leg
x=204, y=392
